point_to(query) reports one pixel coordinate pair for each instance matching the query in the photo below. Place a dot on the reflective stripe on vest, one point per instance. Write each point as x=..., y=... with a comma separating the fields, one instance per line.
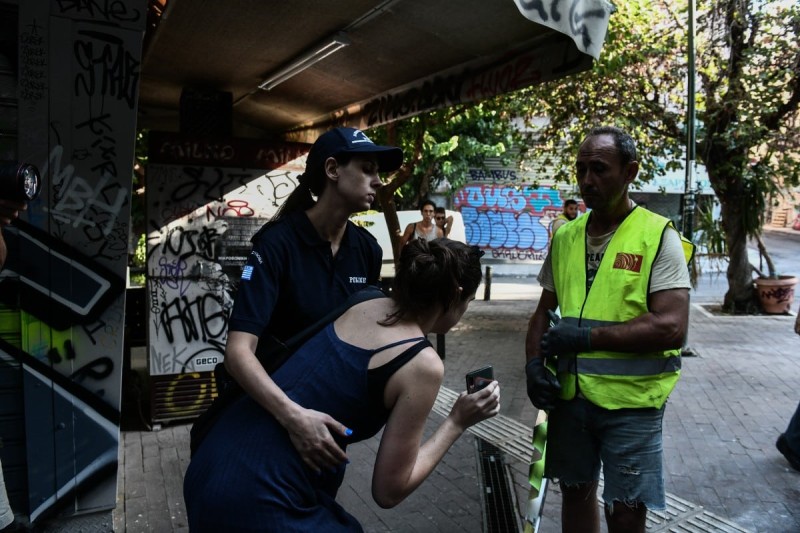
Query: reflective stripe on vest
x=621, y=367
x=618, y=294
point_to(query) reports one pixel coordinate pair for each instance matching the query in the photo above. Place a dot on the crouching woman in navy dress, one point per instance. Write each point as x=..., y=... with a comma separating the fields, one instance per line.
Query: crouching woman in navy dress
x=370, y=368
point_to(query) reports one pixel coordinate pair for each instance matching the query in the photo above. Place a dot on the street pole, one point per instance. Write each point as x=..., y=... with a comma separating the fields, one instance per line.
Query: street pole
x=687, y=221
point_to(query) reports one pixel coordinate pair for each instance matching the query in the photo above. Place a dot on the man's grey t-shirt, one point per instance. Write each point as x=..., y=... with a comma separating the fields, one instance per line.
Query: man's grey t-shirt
x=669, y=268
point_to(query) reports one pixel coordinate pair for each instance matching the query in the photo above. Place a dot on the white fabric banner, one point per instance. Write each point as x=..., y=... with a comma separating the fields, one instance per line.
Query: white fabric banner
x=585, y=21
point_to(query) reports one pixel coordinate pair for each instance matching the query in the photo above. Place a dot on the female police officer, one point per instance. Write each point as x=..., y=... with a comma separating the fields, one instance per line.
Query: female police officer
x=304, y=263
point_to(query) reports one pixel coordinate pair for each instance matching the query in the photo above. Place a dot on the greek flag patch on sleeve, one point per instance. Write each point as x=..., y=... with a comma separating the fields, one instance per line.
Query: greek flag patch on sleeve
x=247, y=272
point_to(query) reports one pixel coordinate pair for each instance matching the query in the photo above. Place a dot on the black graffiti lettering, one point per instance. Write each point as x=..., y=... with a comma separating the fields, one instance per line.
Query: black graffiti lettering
x=196, y=150
x=278, y=156
x=182, y=243
x=98, y=369
x=519, y=73
x=110, y=10
x=53, y=356
x=176, y=242
x=241, y=179
x=33, y=64
x=90, y=332
x=112, y=246
x=577, y=21
x=183, y=315
x=109, y=69
x=29, y=72
x=106, y=168
x=210, y=189
x=516, y=254
x=538, y=6
x=108, y=151
x=282, y=186
x=206, y=241
x=69, y=349
x=97, y=125
x=432, y=94
x=196, y=319
x=477, y=174
x=33, y=40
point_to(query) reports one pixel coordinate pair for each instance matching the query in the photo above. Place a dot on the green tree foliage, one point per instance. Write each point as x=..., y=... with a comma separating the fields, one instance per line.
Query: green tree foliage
x=747, y=95
x=441, y=145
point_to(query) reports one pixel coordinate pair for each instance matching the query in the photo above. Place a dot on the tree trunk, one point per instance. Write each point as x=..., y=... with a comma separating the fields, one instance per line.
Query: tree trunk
x=386, y=197
x=741, y=297
x=762, y=250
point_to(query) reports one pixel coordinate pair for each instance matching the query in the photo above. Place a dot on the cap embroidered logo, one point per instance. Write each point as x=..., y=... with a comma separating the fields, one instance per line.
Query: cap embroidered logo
x=360, y=137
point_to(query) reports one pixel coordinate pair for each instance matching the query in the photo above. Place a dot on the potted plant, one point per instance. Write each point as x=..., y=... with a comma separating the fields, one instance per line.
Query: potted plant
x=775, y=291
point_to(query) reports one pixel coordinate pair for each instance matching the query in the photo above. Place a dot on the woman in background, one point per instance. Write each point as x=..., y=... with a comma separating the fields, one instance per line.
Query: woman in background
x=425, y=229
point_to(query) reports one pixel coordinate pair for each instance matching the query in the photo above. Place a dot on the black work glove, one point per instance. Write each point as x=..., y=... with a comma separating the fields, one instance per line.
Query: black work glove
x=565, y=339
x=543, y=387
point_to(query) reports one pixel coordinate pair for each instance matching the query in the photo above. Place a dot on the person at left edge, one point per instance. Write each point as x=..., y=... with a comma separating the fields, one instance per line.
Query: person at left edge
x=9, y=210
x=305, y=262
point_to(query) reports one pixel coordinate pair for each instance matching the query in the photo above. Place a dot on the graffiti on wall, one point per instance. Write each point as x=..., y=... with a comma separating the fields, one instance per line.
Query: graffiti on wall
x=33, y=70
x=82, y=291
x=200, y=219
x=508, y=222
x=64, y=282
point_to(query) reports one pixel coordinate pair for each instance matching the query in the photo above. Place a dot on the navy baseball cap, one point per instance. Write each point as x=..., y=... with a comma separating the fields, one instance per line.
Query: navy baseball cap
x=352, y=141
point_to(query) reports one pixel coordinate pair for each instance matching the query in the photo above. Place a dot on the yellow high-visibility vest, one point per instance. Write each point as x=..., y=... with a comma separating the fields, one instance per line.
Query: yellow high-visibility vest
x=613, y=380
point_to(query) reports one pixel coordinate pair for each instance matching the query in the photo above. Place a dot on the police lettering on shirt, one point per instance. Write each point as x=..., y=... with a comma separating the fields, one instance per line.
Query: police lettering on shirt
x=358, y=279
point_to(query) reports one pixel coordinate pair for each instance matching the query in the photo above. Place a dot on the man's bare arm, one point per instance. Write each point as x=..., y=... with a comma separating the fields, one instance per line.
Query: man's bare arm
x=664, y=327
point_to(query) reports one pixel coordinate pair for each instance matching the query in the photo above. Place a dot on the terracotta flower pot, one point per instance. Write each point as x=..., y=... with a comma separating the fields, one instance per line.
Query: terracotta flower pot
x=776, y=294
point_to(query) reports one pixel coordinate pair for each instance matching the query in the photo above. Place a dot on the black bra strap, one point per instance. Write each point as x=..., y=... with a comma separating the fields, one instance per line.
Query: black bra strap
x=398, y=343
x=385, y=371
x=379, y=376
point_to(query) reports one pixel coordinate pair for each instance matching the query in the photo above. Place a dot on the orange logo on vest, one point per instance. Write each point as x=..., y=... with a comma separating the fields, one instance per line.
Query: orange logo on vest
x=632, y=262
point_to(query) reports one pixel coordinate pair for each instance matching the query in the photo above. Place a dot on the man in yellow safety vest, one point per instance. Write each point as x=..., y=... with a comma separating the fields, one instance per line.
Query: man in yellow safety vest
x=620, y=279
x=569, y=212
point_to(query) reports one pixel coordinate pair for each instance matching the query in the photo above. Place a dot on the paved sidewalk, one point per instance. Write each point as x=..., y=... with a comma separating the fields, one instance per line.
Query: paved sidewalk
x=720, y=427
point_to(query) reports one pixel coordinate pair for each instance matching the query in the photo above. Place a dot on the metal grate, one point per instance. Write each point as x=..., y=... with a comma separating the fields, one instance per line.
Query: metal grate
x=497, y=495
x=181, y=396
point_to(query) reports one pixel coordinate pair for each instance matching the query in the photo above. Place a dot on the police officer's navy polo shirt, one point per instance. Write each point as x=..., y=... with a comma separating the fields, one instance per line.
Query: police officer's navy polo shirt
x=291, y=278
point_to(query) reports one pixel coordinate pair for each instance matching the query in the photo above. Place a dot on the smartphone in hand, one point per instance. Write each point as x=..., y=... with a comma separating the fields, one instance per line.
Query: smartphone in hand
x=480, y=378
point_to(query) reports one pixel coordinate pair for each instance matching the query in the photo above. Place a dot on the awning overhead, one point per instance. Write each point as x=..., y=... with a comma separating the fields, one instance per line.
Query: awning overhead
x=385, y=61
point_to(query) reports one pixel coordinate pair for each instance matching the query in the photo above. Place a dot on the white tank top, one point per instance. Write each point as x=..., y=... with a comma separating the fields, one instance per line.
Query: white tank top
x=429, y=236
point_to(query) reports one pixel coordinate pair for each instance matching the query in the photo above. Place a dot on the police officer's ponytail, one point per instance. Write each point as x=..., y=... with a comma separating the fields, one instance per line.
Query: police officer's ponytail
x=312, y=184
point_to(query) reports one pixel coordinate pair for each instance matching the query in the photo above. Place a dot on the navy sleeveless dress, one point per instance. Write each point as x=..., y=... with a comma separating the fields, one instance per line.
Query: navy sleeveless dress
x=247, y=476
